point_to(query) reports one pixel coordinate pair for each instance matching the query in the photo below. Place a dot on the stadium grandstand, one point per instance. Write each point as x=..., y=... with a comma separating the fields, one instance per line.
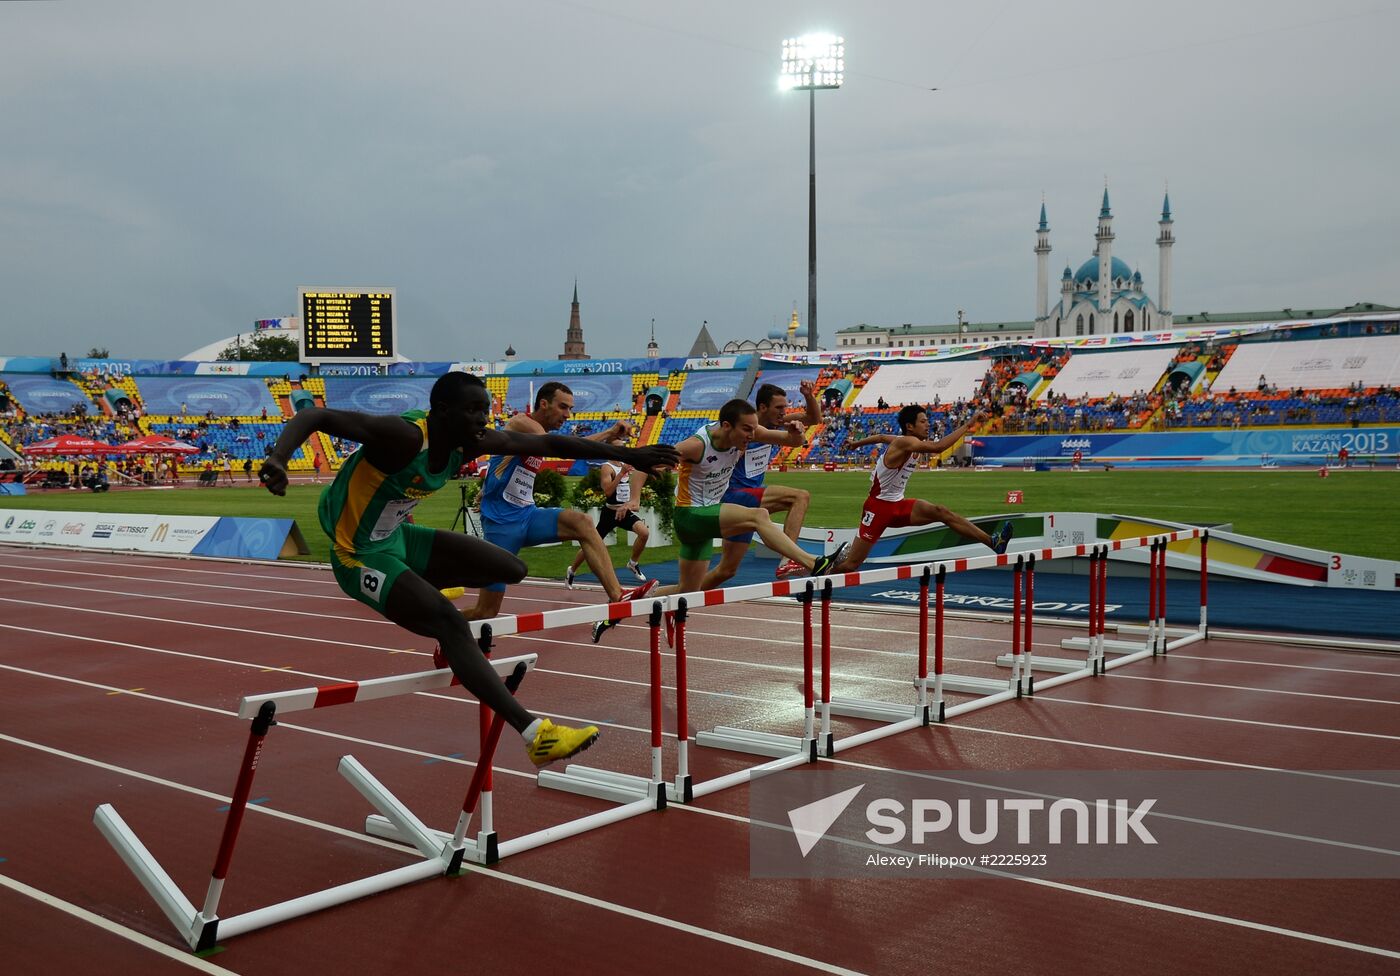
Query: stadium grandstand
x=1326, y=377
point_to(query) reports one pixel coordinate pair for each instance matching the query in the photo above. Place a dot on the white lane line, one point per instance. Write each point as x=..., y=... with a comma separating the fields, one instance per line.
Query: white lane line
x=1100, y=894
x=1155, y=814
x=279, y=635
x=167, y=565
x=1129, y=750
x=338, y=597
x=117, y=929
x=774, y=703
x=202, y=603
x=1279, y=664
x=1261, y=691
x=1218, y=718
x=496, y=872
x=901, y=682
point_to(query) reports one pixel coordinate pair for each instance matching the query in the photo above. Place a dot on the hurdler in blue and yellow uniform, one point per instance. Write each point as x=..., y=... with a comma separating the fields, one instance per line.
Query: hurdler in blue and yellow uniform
x=365, y=512
x=509, y=516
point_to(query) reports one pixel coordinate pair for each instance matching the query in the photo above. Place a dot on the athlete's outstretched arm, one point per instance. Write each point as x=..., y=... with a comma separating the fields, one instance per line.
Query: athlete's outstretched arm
x=559, y=445
x=872, y=439
x=389, y=442
x=813, y=414
x=793, y=434
x=943, y=443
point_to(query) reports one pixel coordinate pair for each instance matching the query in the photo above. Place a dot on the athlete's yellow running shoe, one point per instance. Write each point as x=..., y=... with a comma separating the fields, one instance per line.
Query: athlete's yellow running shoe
x=560, y=742
x=455, y=592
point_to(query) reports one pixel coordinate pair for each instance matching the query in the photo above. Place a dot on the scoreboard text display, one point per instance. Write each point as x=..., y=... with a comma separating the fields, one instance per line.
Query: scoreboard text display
x=347, y=325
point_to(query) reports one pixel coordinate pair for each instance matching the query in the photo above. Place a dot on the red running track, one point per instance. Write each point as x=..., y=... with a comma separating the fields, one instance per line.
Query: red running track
x=121, y=674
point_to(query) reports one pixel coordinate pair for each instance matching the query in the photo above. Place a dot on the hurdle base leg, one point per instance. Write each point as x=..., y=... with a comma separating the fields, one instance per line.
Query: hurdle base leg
x=1060, y=665
x=1082, y=644
x=976, y=686
x=158, y=884
x=755, y=743
x=602, y=784
x=877, y=711
x=682, y=790
x=476, y=850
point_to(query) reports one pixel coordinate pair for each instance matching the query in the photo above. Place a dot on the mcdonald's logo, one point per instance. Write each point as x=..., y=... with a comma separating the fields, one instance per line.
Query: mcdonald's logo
x=159, y=534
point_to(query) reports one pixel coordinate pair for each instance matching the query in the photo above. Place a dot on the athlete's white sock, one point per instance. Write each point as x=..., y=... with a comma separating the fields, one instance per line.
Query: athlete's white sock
x=529, y=731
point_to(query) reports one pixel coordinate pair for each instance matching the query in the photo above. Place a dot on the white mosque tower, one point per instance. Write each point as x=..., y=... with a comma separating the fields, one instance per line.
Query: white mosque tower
x=1104, y=296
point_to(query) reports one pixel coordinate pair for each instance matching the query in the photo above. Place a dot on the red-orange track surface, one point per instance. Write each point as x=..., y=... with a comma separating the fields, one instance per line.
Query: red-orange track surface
x=119, y=677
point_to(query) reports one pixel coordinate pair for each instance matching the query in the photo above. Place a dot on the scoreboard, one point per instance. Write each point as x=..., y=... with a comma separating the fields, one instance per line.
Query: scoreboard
x=347, y=325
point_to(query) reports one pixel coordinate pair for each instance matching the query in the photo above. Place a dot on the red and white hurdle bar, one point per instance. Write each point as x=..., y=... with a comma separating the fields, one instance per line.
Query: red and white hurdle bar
x=792, y=750
x=1157, y=639
x=201, y=928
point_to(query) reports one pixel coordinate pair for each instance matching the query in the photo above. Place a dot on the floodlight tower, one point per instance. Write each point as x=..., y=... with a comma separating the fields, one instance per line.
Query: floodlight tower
x=810, y=62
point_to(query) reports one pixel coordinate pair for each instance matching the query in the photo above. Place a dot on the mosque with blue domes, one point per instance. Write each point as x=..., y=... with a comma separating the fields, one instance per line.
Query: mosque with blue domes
x=1104, y=296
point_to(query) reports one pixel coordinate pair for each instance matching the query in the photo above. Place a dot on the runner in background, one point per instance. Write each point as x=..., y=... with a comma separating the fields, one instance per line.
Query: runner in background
x=622, y=491
x=887, y=508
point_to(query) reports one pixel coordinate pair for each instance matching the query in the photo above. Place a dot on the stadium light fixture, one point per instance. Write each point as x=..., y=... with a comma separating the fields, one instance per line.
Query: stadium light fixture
x=810, y=62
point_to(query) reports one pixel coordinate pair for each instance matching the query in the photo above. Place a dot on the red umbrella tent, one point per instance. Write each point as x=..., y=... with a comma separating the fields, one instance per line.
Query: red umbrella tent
x=157, y=444
x=68, y=445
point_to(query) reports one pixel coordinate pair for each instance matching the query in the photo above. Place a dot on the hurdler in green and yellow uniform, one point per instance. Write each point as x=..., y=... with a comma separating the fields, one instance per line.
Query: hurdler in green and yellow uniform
x=365, y=512
x=400, y=569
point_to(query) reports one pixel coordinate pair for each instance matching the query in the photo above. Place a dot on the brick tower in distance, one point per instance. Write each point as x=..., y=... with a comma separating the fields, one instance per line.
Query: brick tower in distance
x=573, y=339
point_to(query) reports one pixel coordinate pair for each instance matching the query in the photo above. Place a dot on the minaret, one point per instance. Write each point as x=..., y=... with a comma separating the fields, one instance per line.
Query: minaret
x=1165, y=240
x=573, y=339
x=1042, y=267
x=1105, y=252
x=653, y=350
x=1066, y=291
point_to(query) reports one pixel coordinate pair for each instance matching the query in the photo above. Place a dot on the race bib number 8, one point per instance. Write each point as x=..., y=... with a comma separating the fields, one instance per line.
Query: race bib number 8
x=372, y=584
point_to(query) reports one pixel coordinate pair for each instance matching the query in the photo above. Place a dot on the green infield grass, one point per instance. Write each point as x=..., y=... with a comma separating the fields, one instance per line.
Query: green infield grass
x=1356, y=512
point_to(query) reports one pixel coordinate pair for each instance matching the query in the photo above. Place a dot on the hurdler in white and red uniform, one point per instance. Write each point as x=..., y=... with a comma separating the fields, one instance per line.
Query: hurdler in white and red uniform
x=887, y=508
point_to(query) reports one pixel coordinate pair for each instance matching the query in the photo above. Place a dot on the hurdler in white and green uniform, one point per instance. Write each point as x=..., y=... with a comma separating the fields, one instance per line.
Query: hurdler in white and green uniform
x=707, y=459
x=365, y=513
x=700, y=488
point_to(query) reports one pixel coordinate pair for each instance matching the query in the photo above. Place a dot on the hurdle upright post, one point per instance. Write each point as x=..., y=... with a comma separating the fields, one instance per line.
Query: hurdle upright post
x=1162, y=596
x=479, y=776
x=683, y=790
x=826, y=735
x=809, y=723
x=923, y=642
x=654, y=629
x=1103, y=609
x=1094, y=609
x=1030, y=614
x=938, y=643
x=206, y=924
x=1205, y=572
x=486, y=836
x=1016, y=576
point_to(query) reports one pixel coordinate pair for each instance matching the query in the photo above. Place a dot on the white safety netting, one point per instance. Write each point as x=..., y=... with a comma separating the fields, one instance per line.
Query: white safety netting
x=1313, y=364
x=902, y=383
x=1101, y=374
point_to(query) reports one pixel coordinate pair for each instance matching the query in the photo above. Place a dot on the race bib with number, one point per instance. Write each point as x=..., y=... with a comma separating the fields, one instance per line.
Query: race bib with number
x=391, y=518
x=372, y=583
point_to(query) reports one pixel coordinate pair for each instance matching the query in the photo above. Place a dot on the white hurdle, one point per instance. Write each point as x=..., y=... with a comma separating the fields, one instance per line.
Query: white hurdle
x=202, y=928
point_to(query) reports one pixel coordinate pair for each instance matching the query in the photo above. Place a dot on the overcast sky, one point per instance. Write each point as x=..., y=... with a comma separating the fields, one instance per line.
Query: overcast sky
x=171, y=171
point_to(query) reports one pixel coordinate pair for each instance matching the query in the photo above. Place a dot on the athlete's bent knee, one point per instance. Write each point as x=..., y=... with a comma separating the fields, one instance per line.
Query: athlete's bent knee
x=515, y=570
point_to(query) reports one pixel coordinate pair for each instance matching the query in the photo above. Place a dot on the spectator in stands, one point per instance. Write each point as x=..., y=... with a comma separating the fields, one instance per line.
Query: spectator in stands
x=399, y=569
